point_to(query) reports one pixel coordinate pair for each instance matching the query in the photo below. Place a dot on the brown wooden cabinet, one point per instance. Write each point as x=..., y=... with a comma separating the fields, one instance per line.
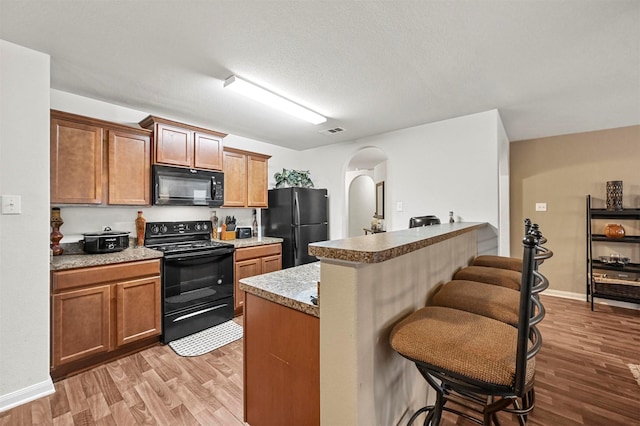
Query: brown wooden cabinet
x=102, y=312
x=179, y=144
x=281, y=365
x=252, y=261
x=245, y=178
x=98, y=162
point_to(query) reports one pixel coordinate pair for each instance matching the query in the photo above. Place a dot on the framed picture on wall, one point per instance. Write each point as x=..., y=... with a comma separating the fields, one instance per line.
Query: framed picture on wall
x=379, y=214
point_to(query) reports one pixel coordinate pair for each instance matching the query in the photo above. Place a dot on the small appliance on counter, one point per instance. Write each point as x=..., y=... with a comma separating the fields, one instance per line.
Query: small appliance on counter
x=107, y=241
x=243, y=232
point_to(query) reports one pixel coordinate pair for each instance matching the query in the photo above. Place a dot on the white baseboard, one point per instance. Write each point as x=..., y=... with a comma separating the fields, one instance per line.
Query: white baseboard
x=583, y=297
x=28, y=394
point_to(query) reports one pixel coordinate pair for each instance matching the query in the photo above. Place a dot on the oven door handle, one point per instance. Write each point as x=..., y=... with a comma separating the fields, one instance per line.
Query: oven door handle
x=188, y=256
x=200, y=312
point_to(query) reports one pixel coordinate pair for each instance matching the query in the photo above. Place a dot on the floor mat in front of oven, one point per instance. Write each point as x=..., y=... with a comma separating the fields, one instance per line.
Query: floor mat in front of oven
x=207, y=340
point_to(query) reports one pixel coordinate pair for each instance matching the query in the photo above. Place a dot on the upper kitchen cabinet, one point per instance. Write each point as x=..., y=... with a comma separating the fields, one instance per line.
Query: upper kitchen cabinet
x=179, y=144
x=98, y=162
x=245, y=178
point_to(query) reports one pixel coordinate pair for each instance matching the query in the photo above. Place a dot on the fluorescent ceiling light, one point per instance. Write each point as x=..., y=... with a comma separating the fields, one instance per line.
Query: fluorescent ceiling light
x=261, y=95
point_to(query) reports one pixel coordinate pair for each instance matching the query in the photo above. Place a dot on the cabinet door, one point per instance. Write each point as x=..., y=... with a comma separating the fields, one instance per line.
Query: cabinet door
x=137, y=310
x=257, y=169
x=81, y=324
x=235, y=179
x=174, y=145
x=244, y=269
x=271, y=263
x=76, y=162
x=129, y=168
x=208, y=152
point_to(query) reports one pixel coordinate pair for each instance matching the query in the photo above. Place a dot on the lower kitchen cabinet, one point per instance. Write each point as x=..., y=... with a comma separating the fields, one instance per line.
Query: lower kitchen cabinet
x=281, y=365
x=103, y=312
x=252, y=261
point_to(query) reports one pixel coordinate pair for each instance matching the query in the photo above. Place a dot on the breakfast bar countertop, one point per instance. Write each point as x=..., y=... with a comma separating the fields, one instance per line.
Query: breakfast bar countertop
x=291, y=287
x=384, y=246
x=251, y=242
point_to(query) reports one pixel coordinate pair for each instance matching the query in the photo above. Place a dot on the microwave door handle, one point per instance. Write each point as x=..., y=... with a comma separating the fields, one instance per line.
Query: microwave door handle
x=213, y=188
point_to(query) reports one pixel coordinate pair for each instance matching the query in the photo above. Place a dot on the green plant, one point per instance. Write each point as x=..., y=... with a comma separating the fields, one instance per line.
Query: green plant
x=293, y=178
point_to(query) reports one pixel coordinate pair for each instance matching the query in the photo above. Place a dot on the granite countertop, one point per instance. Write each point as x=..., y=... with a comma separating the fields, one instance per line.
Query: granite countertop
x=291, y=287
x=383, y=246
x=252, y=242
x=76, y=258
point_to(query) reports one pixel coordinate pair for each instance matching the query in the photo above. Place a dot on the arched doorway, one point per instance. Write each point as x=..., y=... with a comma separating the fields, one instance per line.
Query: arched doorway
x=366, y=168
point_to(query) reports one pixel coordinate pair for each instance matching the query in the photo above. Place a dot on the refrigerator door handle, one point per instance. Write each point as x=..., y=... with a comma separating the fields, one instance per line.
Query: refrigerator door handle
x=296, y=232
x=296, y=209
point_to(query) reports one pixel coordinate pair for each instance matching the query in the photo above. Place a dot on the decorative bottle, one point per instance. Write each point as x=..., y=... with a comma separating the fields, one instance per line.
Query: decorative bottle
x=56, y=235
x=141, y=222
x=451, y=220
x=214, y=225
x=254, y=224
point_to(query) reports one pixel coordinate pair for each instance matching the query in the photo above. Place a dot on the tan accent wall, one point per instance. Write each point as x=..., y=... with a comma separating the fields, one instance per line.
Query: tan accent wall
x=561, y=171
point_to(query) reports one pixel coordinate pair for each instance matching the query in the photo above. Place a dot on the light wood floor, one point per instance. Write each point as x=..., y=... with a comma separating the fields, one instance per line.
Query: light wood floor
x=581, y=379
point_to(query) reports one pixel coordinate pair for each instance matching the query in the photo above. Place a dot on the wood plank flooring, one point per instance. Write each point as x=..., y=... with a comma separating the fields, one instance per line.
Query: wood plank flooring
x=581, y=379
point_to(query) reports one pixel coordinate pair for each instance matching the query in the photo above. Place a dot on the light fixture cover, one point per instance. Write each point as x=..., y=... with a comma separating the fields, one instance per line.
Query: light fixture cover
x=271, y=99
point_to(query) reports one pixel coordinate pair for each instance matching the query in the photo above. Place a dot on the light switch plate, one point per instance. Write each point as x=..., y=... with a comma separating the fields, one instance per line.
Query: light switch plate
x=399, y=206
x=11, y=204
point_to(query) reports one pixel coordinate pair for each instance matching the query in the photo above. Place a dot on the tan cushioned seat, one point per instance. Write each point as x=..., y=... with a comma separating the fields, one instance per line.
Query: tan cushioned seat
x=488, y=300
x=496, y=276
x=461, y=342
x=502, y=262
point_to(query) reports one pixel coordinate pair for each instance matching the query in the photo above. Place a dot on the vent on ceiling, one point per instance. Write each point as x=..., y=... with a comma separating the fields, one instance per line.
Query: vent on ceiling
x=329, y=132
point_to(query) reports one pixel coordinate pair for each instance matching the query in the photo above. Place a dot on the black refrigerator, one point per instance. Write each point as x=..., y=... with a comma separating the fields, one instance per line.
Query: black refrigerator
x=299, y=217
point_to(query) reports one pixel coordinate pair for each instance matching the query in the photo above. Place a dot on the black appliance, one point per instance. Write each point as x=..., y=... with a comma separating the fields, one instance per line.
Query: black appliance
x=418, y=221
x=197, y=277
x=299, y=217
x=105, y=242
x=179, y=186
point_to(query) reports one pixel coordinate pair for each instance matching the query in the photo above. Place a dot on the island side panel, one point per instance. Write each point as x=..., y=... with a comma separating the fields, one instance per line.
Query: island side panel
x=363, y=381
x=281, y=376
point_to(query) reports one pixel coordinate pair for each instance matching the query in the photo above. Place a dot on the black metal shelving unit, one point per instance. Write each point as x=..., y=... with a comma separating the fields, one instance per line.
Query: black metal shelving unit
x=619, y=288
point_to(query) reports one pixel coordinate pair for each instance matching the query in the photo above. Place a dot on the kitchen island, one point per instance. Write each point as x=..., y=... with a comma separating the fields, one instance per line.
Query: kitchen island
x=281, y=347
x=368, y=284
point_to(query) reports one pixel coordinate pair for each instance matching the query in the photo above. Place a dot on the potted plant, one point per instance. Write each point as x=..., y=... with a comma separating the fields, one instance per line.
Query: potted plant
x=292, y=177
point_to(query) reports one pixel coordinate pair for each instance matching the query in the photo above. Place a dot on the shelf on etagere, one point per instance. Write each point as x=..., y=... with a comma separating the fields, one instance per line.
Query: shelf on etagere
x=627, y=239
x=614, y=214
x=629, y=267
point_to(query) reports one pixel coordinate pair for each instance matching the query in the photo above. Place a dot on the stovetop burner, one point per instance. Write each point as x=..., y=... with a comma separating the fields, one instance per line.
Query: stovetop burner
x=179, y=237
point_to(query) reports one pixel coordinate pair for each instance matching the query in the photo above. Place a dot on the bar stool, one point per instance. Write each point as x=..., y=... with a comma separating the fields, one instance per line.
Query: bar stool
x=475, y=361
x=485, y=274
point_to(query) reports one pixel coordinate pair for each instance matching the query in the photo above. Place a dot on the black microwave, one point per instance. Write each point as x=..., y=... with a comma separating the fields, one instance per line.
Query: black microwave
x=179, y=186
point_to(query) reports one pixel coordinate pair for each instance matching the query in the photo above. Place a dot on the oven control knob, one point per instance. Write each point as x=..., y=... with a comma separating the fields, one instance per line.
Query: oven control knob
x=155, y=229
x=163, y=229
x=219, y=281
x=111, y=246
x=205, y=226
x=198, y=227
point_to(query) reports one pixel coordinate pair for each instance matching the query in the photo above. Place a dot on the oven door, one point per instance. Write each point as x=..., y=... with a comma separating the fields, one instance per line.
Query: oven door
x=198, y=292
x=192, y=280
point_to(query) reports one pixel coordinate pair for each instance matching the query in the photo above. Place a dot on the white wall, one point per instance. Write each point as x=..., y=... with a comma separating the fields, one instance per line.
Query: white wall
x=450, y=165
x=24, y=238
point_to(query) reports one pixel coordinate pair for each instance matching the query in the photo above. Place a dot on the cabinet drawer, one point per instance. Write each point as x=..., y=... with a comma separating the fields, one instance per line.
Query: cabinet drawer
x=258, y=251
x=73, y=278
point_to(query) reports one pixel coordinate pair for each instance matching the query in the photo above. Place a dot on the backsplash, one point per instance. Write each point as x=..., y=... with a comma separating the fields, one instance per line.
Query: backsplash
x=82, y=219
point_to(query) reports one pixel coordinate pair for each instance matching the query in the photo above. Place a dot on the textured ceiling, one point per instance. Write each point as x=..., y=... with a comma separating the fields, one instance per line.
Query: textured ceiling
x=549, y=67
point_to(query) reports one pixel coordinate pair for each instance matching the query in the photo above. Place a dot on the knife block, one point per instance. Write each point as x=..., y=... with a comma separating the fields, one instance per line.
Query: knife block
x=228, y=235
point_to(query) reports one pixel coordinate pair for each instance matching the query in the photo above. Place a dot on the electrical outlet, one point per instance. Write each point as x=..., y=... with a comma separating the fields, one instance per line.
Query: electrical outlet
x=541, y=207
